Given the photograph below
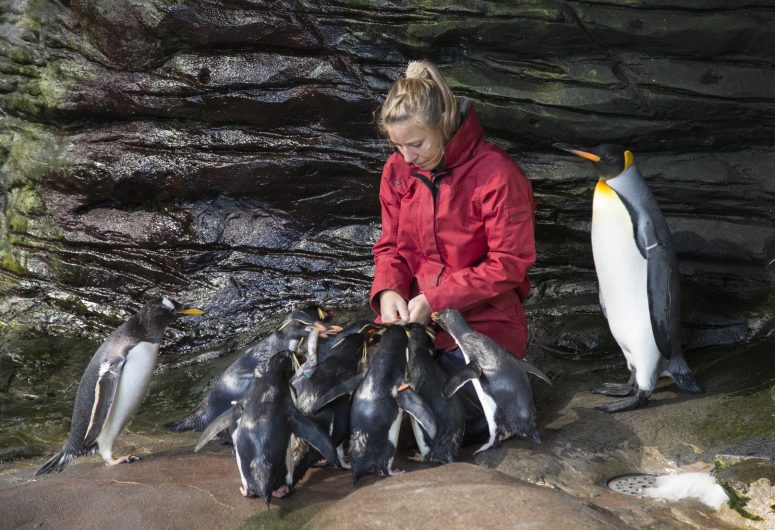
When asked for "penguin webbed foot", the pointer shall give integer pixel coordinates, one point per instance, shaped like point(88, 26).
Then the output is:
point(128, 459)
point(615, 389)
point(419, 457)
point(283, 491)
point(636, 401)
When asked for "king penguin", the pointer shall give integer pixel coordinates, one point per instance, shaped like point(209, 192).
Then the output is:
point(115, 382)
point(637, 272)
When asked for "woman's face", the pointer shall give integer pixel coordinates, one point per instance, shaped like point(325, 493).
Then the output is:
point(419, 146)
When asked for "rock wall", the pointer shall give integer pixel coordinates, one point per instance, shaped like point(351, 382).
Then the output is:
point(226, 153)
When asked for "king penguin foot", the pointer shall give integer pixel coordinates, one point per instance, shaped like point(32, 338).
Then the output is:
point(636, 401)
point(128, 459)
point(614, 390)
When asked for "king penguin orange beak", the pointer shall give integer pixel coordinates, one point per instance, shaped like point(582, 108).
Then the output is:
point(578, 151)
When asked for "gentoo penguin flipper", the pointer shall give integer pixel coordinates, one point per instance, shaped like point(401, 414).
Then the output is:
point(222, 422)
point(470, 371)
point(306, 428)
point(339, 390)
point(411, 402)
point(104, 393)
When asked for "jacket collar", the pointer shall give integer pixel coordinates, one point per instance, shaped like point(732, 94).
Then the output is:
point(465, 141)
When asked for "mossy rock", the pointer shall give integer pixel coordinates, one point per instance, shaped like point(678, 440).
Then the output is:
point(749, 483)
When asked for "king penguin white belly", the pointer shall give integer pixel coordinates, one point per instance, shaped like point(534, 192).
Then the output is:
point(622, 273)
point(135, 376)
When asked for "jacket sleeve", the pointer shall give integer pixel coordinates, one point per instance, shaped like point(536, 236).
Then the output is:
point(390, 270)
point(507, 209)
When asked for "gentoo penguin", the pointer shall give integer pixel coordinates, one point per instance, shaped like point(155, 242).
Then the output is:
point(235, 380)
point(428, 379)
point(115, 382)
point(267, 421)
point(337, 359)
point(637, 271)
point(499, 378)
point(378, 405)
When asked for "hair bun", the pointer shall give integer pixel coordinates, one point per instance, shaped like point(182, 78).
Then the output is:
point(416, 69)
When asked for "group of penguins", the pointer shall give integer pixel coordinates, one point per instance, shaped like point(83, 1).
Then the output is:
point(285, 414)
point(285, 407)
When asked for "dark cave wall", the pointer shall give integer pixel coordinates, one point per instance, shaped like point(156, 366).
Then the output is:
point(226, 153)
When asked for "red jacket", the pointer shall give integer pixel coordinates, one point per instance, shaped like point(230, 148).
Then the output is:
point(471, 247)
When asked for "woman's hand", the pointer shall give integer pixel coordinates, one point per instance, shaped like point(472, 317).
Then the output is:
point(419, 310)
point(392, 307)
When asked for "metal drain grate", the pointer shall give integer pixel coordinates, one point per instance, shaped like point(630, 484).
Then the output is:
point(632, 484)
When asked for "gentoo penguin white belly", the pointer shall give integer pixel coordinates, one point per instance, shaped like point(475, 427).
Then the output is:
point(622, 273)
point(135, 376)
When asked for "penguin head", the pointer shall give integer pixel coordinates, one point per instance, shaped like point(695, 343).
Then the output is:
point(610, 160)
point(450, 320)
point(157, 314)
point(280, 363)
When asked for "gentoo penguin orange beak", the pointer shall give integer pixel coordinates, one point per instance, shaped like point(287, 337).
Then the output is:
point(190, 311)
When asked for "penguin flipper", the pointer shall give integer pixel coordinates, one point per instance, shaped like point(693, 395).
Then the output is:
point(664, 300)
point(104, 394)
point(307, 429)
point(415, 405)
point(470, 371)
point(224, 421)
point(339, 390)
point(533, 369)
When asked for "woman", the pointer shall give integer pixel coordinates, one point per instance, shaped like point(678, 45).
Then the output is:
point(457, 218)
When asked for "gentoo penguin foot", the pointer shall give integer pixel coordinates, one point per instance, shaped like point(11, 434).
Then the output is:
point(320, 463)
point(344, 464)
point(282, 491)
point(392, 472)
point(128, 459)
point(638, 400)
point(615, 390)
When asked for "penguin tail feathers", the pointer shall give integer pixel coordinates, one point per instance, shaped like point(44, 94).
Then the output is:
point(56, 463)
point(687, 383)
point(682, 376)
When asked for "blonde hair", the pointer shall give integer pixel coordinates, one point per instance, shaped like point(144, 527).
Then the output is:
point(422, 96)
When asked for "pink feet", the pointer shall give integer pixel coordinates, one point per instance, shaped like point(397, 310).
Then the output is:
point(282, 491)
point(128, 459)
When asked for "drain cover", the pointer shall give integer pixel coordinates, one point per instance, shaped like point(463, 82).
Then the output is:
point(632, 484)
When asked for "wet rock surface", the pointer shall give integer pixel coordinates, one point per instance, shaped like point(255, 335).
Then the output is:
point(227, 154)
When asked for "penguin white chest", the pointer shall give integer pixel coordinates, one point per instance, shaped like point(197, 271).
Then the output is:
point(622, 273)
point(132, 384)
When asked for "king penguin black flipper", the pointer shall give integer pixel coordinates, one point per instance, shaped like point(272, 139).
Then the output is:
point(115, 382)
point(637, 271)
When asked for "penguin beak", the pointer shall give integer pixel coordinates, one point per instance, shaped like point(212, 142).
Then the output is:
point(578, 151)
point(190, 311)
